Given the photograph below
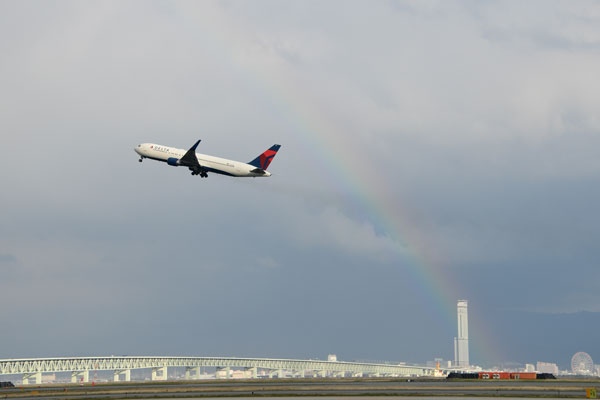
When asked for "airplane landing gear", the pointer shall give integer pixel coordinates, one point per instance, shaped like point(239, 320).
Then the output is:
point(141, 159)
point(202, 174)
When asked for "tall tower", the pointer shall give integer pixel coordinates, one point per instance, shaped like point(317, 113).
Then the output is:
point(461, 342)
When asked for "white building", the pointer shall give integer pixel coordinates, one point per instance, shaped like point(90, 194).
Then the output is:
point(461, 342)
point(545, 367)
point(529, 368)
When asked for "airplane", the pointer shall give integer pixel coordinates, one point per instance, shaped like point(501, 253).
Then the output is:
point(202, 164)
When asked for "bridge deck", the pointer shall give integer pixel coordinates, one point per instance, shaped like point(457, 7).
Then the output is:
point(75, 364)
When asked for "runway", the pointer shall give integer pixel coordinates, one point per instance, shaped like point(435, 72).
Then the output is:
point(364, 388)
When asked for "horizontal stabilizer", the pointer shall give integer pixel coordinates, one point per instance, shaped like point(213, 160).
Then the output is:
point(259, 171)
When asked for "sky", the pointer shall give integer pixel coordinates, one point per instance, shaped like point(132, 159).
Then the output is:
point(431, 151)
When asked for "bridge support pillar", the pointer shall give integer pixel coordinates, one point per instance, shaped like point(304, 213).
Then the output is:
point(276, 372)
point(253, 372)
point(36, 375)
point(118, 372)
point(85, 375)
point(192, 373)
point(159, 377)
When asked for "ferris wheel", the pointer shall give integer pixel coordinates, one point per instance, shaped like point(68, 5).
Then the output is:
point(582, 364)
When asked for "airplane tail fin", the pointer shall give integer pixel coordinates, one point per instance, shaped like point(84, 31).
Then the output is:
point(263, 160)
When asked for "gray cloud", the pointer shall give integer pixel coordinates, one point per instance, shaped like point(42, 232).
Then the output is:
point(474, 124)
point(7, 259)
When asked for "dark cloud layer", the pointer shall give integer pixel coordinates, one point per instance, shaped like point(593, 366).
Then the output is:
point(479, 120)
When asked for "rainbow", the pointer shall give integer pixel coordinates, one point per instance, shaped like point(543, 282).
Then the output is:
point(371, 195)
point(319, 134)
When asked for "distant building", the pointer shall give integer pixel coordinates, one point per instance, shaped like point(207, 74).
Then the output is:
point(545, 367)
point(529, 368)
point(331, 357)
point(461, 342)
point(234, 374)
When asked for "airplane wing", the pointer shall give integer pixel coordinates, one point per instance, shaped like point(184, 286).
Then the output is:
point(189, 159)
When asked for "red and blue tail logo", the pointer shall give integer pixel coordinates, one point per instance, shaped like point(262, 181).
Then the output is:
point(264, 160)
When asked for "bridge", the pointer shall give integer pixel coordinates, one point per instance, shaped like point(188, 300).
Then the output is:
point(32, 369)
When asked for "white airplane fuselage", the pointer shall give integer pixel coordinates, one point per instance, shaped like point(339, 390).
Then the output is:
point(218, 165)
